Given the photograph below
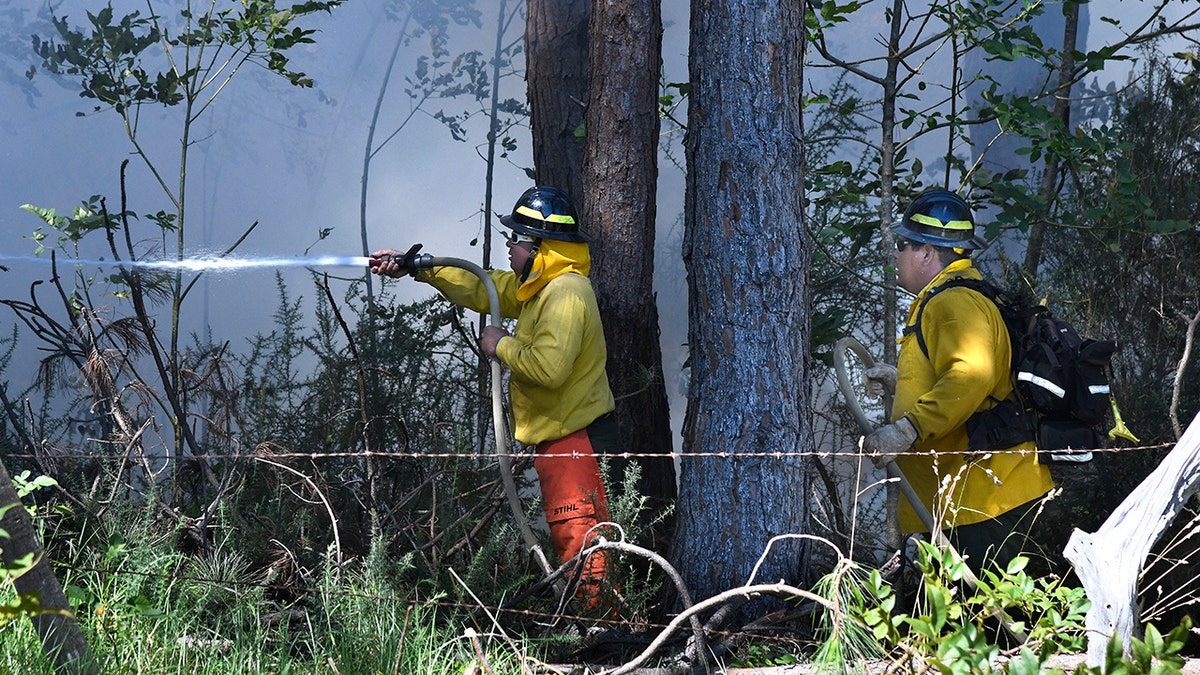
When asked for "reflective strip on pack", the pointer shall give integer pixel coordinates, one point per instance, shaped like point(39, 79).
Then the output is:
point(1099, 389)
point(1041, 382)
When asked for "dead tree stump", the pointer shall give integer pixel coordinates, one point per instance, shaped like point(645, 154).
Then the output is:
point(1110, 560)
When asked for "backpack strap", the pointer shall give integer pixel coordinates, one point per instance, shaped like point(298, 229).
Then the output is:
point(1009, 422)
point(978, 285)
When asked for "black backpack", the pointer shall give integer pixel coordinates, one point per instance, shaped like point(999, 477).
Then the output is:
point(1060, 381)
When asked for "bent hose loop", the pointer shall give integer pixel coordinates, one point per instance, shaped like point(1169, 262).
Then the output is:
point(502, 449)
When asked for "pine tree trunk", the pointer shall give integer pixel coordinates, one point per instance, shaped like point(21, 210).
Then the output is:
point(620, 174)
point(556, 54)
point(61, 637)
point(747, 255)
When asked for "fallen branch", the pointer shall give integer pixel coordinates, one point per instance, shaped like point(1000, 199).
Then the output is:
point(742, 593)
point(1177, 388)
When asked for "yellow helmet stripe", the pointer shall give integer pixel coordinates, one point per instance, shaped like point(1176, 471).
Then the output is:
point(552, 218)
point(934, 222)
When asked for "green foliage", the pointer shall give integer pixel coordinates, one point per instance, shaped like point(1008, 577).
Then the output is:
point(84, 220)
point(633, 583)
point(957, 630)
point(1125, 268)
point(1154, 654)
point(25, 486)
point(844, 640)
point(841, 222)
point(110, 60)
point(145, 609)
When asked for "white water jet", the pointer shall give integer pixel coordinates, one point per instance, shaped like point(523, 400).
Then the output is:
point(205, 263)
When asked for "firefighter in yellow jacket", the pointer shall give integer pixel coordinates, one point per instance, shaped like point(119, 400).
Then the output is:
point(561, 401)
point(955, 368)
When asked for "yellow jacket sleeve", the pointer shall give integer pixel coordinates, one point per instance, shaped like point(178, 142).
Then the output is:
point(464, 289)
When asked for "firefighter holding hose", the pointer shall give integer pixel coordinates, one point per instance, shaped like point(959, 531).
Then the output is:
point(561, 401)
point(952, 381)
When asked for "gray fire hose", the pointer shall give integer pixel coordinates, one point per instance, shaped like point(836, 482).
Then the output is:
point(843, 375)
point(425, 261)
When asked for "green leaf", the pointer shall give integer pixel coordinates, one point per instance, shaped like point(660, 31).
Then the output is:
point(1169, 226)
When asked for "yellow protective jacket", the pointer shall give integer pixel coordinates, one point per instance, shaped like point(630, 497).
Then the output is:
point(556, 353)
point(967, 370)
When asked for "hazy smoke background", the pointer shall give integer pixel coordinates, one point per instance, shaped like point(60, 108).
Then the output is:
point(291, 159)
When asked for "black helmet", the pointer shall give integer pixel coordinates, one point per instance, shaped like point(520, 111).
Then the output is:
point(940, 218)
point(546, 213)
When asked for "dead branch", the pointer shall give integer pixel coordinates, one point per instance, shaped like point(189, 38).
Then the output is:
point(1177, 389)
point(333, 521)
point(1110, 560)
point(740, 593)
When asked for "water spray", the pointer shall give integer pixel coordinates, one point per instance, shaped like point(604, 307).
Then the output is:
point(205, 263)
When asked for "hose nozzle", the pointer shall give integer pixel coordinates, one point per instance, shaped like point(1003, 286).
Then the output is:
point(409, 262)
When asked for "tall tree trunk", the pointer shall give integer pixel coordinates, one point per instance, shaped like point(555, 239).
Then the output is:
point(62, 640)
point(620, 174)
point(556, 53)
point(1062, 113)
point(747, 254)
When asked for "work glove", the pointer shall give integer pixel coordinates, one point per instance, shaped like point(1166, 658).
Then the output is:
point(887, 442)
point(492, 335)
point(393, 263)
point(880, 380)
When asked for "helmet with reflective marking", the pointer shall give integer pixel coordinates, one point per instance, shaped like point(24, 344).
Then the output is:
point(545, 213)
point(940, 218)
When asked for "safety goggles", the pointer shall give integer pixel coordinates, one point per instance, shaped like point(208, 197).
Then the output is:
point(516, 238)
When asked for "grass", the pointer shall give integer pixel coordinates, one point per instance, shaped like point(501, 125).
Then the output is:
point(340, 636)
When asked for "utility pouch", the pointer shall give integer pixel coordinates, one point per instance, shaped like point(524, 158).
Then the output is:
point(1001, 427)
point(1091, 391)
point(1066, 441)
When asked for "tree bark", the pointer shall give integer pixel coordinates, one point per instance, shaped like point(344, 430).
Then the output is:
point(556, 54)
point(620, 173)
point(747, 254)
point(61, 637)
point(1062, 112)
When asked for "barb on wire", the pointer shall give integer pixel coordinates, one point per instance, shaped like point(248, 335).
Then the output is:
point(361, 454)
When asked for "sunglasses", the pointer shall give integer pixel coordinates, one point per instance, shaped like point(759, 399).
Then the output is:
point(517, 238)
point(902, 244)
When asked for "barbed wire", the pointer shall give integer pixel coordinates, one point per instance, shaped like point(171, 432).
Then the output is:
point(52, 452)
point(724, 454)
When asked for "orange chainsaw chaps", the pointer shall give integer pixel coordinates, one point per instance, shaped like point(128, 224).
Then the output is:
point(574, 499)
